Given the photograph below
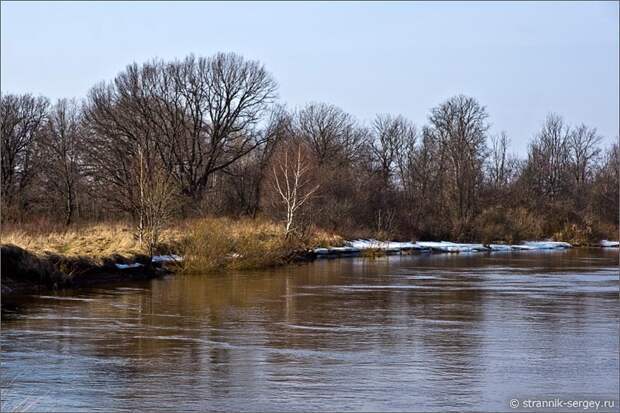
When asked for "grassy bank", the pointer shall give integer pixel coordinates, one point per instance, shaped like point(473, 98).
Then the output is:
point(25, 271)
point(222, 243)
point(50, 256)
point(97, 242)
point(54, 256)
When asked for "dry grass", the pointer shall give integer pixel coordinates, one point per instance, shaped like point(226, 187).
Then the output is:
point(96, 241)
point(207, 244)
point(321, 238)
point(511, 225)
point(373, 253)
point(588, 233)
point(222, 243)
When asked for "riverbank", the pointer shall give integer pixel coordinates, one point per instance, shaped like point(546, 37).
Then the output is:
point(35, 257)
point(38, 256)
point(24, 271)
point(376, 248)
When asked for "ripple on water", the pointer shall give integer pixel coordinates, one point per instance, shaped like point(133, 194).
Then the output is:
point(437, 333)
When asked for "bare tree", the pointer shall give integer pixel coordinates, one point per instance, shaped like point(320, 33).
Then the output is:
point(245, 177)
point(114, 141)
point(547, 169)
point(460, 126)
point(226, 96)
point(157, 195)
point(61, 143)
point(199, 115)
point(291, 180)
point(422, 174)
point(390, 140)
point(498, 160)
point(338, 145)
point(331, 134)
point(606, 194)
point(391, 136)
point(583, 145)
point(21, 119)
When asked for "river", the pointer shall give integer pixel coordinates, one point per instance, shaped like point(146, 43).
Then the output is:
point(427, 332)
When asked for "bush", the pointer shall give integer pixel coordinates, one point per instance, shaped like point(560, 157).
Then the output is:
point(590, 232)
point(507, 224)
point(223, 243)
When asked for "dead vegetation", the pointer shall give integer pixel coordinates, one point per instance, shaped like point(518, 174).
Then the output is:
point(223, 243)
point(53, 256)
point(96, 242)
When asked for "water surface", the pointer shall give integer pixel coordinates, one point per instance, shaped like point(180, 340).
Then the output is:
point(414, 333)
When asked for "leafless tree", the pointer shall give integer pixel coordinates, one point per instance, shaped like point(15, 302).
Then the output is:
point(606, 194)
point(199, 115)
point(338, 145)
point(21, 119)
point(226, 97)
point(460, 126)
point(498, 160)
point(245, 177)
point(547, 170)
point(584, 148)
point(61, 144)
point(331, 134)
point(391, 137)
point(157, 196)
point(114, 142)
point(291, 180)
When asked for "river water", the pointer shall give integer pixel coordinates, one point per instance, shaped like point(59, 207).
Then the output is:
point(415, 333)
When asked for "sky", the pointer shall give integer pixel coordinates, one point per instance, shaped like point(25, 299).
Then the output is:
point(520, 60)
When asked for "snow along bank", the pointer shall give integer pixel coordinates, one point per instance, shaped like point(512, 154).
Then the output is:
point(156, 259)
point(355, 247)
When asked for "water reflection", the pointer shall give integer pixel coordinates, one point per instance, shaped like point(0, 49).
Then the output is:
point(466, 332)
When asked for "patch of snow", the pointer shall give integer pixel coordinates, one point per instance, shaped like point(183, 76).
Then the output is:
point(610, 244)
point(438, 246)
point(445, 246)
point(355, 246)
point(500, 247)
point(546, 245)
point(166, 258)
point(335, 251)
point(126, 266)
point(522, 247)
point(364, 244)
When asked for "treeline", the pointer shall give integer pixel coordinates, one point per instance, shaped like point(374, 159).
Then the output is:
point(207, 136)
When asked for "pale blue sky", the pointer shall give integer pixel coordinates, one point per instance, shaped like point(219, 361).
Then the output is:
point(521, 60)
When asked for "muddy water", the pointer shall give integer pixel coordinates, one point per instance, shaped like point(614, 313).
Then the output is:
point(432, 332)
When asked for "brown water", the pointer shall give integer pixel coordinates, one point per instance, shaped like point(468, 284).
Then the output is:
point(433, 332)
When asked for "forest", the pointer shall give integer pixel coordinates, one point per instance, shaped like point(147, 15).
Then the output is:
point(167, 141)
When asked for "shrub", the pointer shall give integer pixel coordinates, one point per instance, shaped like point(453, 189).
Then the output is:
point(507, 224)
point(223, 243)
point(589, 232)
